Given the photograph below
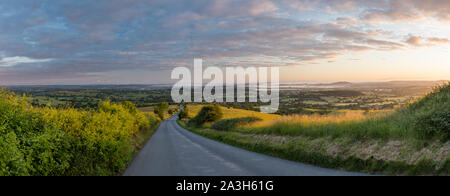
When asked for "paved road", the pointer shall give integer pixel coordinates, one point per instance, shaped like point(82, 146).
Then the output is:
point(174, 151)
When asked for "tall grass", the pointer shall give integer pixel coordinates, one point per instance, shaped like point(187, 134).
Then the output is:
point(334, 126)
point(421, 119)
point(313, 152)
point(230, 124)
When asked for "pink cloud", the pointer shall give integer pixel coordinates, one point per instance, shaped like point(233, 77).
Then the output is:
point(409, 10)
point(420, 41)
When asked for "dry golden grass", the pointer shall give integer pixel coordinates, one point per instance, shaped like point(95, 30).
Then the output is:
point(150, 109)
point(235, 113)
point(338, 116)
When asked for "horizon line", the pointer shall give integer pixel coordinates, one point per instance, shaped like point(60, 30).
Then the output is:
point(143, 84)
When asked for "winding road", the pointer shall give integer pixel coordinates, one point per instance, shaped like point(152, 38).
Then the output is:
point(174, 151)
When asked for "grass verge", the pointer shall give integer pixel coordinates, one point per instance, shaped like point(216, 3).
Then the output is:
point(140, 139)
point(317, 152)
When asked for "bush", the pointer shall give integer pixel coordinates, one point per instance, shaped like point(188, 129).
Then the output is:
point(29, 146)
point(49, 141)
point(209, 113)
point(12, 160)
point(229, 124)
point(184, 113)
point(160, 109)
point(152, 119)
point(434, 124)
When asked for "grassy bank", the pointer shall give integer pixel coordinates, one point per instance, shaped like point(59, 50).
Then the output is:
point(413, 140)
point(424, 120)
point(46, 141)
point(336, 153)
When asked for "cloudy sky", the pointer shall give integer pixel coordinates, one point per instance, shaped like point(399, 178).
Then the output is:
point(126, 41)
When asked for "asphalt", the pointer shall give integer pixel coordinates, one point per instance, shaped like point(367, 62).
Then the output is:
point(174, 151)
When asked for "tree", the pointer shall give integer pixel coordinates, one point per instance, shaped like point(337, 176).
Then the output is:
point(160, 109)
point(184, 113)
point(209, 113)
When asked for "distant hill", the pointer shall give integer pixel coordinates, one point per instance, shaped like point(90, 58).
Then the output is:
point(342, 83)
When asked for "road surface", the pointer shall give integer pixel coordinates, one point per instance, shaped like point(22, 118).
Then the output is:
point(174, 151)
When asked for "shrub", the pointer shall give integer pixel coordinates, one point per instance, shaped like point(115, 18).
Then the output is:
point(160, 109)
point(184, 113)
point(29, 146)
point(49, 141)
point(209, 113)
point(12, 160)
point(152, 119)
point(434, 124)
point(229, 124)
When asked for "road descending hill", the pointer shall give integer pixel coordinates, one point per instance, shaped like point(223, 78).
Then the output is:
point(174, 151)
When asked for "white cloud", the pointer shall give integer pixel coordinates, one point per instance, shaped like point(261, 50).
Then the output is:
point(13, 61)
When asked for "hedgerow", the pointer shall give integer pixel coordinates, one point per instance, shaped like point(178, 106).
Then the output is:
point(48, 141)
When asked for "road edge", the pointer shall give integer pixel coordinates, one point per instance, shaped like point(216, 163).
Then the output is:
point(140, 145)
point(351, 164)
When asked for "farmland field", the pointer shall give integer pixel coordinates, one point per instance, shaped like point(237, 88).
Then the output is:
point(294, 99)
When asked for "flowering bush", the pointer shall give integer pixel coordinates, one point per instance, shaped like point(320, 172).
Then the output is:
point(49, 141)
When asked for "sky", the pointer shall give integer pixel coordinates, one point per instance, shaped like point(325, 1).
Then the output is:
point(141, 42)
